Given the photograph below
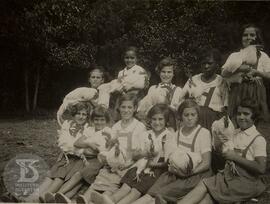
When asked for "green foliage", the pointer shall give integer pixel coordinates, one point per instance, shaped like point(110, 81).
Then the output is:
point(68, 35)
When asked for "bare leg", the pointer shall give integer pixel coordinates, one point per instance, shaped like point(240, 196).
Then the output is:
point(145, 199)
point(195, 196)
point(70, 184)
point(74, 190)
point(56, 184)
point(120, 193)
point(133, 195)
point(40, 190)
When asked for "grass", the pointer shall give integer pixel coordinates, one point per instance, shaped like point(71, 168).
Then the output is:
point(39, 137)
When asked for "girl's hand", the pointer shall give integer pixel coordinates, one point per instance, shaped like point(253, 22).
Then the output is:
point(177, 171)
point(253, 73)
point(229, 155)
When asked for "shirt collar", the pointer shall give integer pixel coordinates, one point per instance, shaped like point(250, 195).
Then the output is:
point(161, 135)
point(166, 84)
point(250, 131)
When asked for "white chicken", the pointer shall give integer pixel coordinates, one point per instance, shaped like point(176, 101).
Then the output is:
point(81, 94)
point(223, 130)
point(247, 56)
point(185, 161)
point(157, 96)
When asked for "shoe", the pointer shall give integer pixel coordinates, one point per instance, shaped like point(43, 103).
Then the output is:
point(41, 199)
point(49, 198)
point(81, 200)
point(61, 198)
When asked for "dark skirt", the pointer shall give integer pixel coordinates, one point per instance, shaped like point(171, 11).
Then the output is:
point(65, 170)
point(252, 90)
point(146, 180)
point(208, 116)
point(225, 187)
point(170, 188)
point(90, 171)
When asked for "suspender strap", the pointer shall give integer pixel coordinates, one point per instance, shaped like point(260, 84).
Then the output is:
point(194, 139)
point(244, 153)
point(171, 94)
point(209, 96)
point(192, 145)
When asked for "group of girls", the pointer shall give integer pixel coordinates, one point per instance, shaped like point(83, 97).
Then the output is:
point(135, 159)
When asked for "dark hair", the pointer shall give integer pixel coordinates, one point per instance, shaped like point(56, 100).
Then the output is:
point(101, 111)
point(78, 107)
point(128, 97)
point(164, 109)
point(133, 49)
point(168, 61)
point(211, 52)
point(188, 103)
point(259, 38)
point(99, 68)
point(252, 105)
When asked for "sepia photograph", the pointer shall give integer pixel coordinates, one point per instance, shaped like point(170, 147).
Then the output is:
point(135, 101)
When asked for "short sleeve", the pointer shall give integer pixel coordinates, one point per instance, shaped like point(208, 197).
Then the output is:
point(264, 63)
point(233, 62)
point(204, 141)
point(259, 147)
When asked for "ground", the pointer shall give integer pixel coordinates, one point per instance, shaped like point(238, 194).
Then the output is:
point(39, 137)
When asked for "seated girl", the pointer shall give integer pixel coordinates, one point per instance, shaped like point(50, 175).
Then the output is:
point(191, 137)
point(155, 147)
point(124, 136)
point(249, 156)
point(92, 142)
point(71, 159)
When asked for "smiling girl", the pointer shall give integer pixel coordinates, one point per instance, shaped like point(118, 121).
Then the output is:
point(246, 81)
point(71, 159)
point(165, 91)
point(155, 147)
point(124, 136)
point(249, 156)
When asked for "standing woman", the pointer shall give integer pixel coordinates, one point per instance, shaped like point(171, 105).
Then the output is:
point(249, 155)
point(246, 81)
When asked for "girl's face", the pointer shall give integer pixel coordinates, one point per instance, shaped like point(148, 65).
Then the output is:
point(249, 36)
point(244, 118)
point(130, 59)
point(81, 116)
point(99, 123)
point(190, 117)
point(158, 123)
point(96, 79)
point(166, 74)
point(127, 110)
point(209, 66)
